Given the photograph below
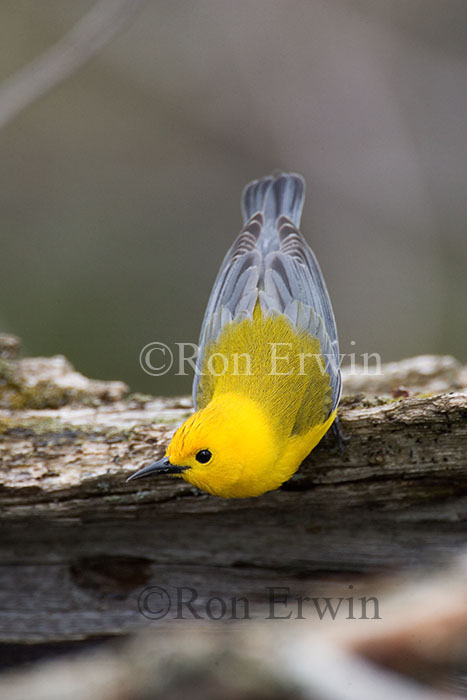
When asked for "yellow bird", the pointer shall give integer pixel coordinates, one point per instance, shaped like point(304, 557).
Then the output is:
point(267, 382)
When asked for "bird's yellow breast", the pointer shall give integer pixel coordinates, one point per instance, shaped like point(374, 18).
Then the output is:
point(277, 366)
point(248, 457)
point(264, 402)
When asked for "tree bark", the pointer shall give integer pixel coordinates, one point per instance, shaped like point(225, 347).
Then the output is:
point(79, 545)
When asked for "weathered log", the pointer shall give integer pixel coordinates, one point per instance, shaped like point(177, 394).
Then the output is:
point(79, 545)
point(332, 660)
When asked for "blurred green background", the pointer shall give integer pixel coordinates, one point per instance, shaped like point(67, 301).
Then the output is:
point(120, 188)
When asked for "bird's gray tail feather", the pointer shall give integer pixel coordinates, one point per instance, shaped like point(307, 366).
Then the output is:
point(282, 195)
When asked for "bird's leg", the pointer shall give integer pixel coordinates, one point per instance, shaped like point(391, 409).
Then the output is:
point(340, 437)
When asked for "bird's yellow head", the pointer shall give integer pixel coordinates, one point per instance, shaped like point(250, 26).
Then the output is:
point(227, 449)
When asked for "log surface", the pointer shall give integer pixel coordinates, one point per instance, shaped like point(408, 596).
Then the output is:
point(79, 545)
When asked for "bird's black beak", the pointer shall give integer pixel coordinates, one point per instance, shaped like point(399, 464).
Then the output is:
point(163, 466)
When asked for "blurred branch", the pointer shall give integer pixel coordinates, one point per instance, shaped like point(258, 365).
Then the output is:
point(284, 661)
point(77, 47)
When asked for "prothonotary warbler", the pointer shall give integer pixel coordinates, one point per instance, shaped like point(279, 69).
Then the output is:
point(268, 381)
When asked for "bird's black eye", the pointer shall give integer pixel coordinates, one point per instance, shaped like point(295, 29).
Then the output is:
point(203, 456)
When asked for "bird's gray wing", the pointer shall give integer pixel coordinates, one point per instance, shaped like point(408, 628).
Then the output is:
point(294, 286)
point(235, 291)
point(271, 261)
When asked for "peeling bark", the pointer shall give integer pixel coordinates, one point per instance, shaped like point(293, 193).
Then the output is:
point(79, 544)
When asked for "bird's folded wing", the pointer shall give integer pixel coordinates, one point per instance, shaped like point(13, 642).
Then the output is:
point(235, 291)
point(294, 286)
point(286, 281)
